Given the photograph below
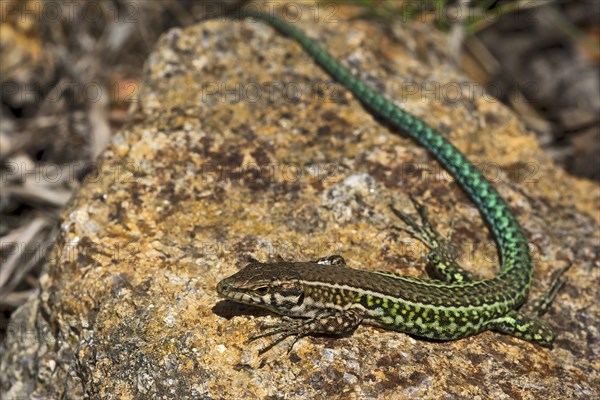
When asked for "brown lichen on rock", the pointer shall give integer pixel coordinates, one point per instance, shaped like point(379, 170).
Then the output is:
point(241, 146)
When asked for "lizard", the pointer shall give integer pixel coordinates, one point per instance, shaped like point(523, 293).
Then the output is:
point(325, 296)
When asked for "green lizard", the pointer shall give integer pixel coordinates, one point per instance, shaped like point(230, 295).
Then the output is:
point(327, 297)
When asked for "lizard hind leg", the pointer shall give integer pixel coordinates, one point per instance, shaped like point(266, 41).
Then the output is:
point(524, 327)
point(540, 305)
point(441, 260)
point(526, 323)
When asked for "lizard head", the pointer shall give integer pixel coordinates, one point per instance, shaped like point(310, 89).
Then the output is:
point(274, 286)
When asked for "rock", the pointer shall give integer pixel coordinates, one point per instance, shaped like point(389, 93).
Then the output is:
point(241, 146)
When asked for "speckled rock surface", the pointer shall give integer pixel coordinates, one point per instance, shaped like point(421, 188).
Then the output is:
point(240, 146)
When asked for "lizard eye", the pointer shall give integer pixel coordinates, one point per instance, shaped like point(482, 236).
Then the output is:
point(263, 290)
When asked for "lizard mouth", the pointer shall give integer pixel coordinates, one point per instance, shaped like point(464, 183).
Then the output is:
point(226, 289)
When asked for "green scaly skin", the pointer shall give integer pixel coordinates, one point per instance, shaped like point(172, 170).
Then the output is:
point(335, 299)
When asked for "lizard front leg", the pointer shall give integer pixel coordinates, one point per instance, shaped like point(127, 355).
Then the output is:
point(329, 322)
